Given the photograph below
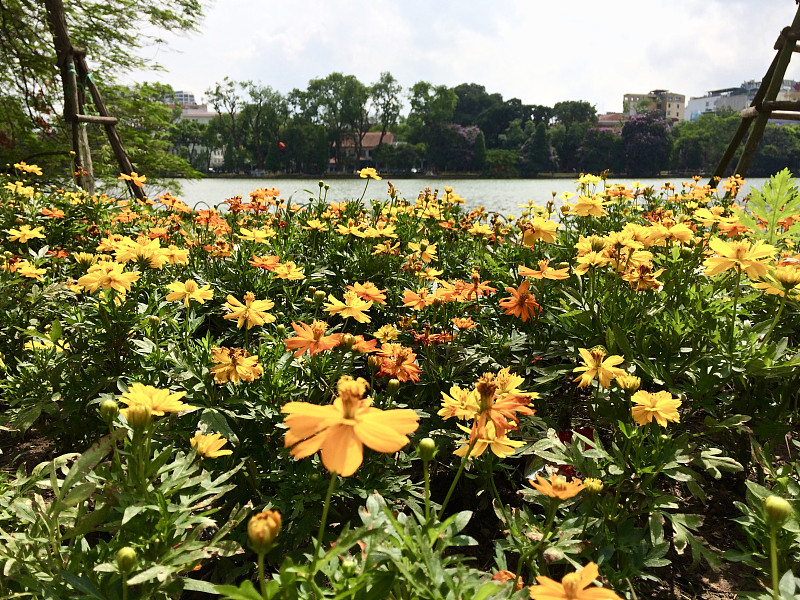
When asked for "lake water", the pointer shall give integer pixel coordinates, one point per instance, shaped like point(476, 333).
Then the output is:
point(497, 195)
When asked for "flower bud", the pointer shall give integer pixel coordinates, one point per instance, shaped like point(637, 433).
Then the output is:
point(777, 510)
point(629, 382)
point(392, 386)
point(109, 411)
point(280, 330)
point(138, 415)
point(348, 567)
point(154, 320)
point(319, 296)
point(592, 485)
point(426, 449)
point(374, 362)
point(321, 183)
point(262, 529)
point(126, 559)
point(346, 341)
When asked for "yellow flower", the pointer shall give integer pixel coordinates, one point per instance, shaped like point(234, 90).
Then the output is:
point(369, 172)
point(353, 306)
point(255, 235)
point(342, 429)
point(387, 333)
point(461, 403)
point(589, 206)
point(595, 364)
point(539, 228)
point(134, 178)
point(739, 255)
point(660, 406)
point(233, 364)
point(24, 233)
point(573, 586)
point(189, 290)
point(289, 270)
point(252, 312)
point(36, 170)
point(108, 275)
point(501, 446)
point(557, 486)
point(209, 445)
point(424, 250)
point(26, 269)
point(158, 401)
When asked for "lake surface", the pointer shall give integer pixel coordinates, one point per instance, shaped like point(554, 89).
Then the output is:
point(497, 195)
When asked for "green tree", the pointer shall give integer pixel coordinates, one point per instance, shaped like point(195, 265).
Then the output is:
point(601, 150)
point(647, 144)
point(112, 32)
point(536, 154)
point(147, 122)
point(699, 144)
point(574, 111)
point(385, 99)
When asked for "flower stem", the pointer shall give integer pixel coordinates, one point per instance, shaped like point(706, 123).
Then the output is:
point(775, 320)
point(457, 477)
point(733, 316)
point(261, 581)
point(427, 477)
point(322, 524)
point(773, 555)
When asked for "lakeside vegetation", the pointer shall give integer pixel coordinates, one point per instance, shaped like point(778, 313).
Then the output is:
point(546, 400)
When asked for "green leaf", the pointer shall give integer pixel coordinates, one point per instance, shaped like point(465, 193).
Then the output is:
point(89, 460)
point(245, 591)
point(79, 493)
point(198, 585)
point(82, 584)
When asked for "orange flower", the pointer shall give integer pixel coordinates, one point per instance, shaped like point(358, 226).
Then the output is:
point(268, 263)
point(521, 303)
point(418, 300)
point(342, 429)
point(660, 406)
point(544, 272)
point(369, 291)
point(311, 338)
point(134, 178)
point(398, 361)
point(557, 487)
point(55, 213)
point(573, 586)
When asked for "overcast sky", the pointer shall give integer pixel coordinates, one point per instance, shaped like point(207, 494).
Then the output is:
point(538, 51)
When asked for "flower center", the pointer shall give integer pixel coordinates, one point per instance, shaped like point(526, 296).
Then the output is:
point(572, 585)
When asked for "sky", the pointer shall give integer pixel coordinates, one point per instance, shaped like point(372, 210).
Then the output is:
point(541, 52)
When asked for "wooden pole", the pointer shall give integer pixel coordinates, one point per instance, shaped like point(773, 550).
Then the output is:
point(109, 123)
point(84, 175)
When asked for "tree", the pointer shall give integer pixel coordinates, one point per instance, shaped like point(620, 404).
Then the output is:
point(385, 99)
point(601, 150)
point(647, 144)
point(262, 117)
point(112, 32)
point(431, 106)
point(339, 102)
point(472, 100)
point(148, 125)
point(574, 111)
point(699, 144)
point(536, 154)
point(227, 100)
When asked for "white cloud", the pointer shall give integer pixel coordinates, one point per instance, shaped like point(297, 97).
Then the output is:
point(541, 52)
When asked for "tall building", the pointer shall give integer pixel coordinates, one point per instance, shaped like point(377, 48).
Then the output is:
point(184, 99)
point(736, 98)
point(669, 104)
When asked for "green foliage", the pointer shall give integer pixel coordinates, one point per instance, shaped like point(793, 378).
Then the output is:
point(778, 200)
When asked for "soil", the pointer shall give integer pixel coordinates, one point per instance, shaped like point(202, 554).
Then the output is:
point(29, 450)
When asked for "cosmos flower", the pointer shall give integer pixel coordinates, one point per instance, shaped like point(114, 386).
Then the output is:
point(189, 290)
point(557, 486)
point(573, 586)
point(739, 255)
point(521, 303)
point(209, 446)
point(25, 233)
point(311, 338)
point(157, 400)
point(352, 306)
point(252, 312)
point(342, 429)
point(660, 406)
point(234, 364)
point(595, 364)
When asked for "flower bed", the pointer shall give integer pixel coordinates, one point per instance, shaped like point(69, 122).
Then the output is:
point(376, 386)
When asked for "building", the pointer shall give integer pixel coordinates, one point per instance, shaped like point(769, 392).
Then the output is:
point(198, 113)
point(736, 98)
point(184, 99)
point(369, 142)
point(669, 104)
point(611, 121)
